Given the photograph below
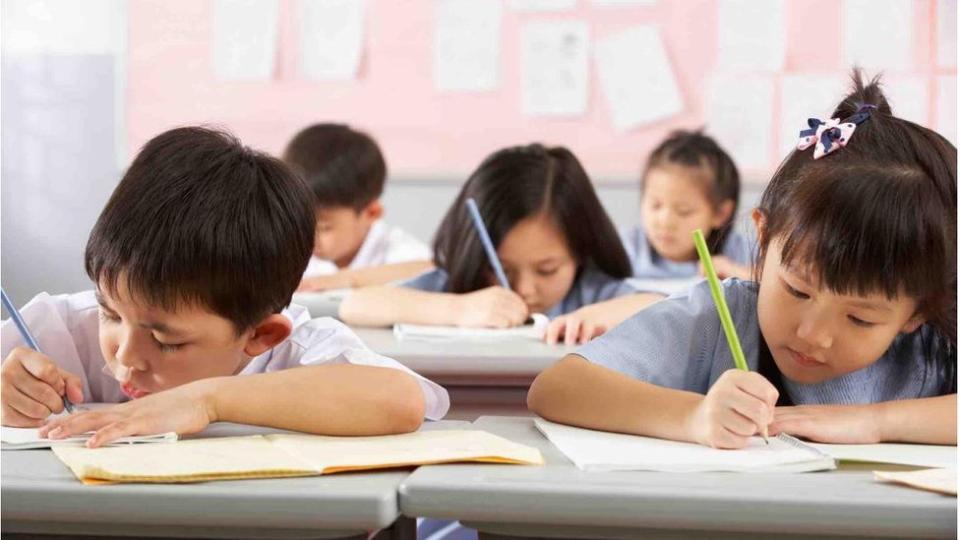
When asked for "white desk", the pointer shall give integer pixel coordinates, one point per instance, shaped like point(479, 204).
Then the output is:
point(41, 496)
point(561, 501)
point(481, 377)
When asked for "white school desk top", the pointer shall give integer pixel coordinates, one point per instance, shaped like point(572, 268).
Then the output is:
point(514, 362)
point(40, 495)
point(559, 500)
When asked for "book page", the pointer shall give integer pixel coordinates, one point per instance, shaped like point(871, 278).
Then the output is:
point(533, 331)
point(937, 480)
point(920, 455)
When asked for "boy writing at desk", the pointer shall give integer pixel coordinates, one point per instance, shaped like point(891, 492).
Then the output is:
point(195, 258)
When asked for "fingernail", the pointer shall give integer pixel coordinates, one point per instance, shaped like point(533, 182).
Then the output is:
point(55, 433)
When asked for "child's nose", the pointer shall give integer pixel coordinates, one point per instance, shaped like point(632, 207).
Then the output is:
point(817, 331)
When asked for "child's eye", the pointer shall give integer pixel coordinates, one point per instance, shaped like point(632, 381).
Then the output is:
point(108, 317)
point(547, 272)
point(684, 213)
point(168, 347)
point(860, 322)
point(795, 292)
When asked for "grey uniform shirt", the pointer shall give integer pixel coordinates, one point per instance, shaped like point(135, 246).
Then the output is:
point(648, 264)
point(679, 343)
point(590, 287)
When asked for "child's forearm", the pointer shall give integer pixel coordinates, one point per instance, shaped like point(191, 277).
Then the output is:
point(335, 399)
point(613, 312)
point(575, 391)
point(365, 277)
point(385, 305)
point(928, 420)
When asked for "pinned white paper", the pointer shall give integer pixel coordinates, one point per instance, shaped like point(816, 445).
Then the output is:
point(331, 38)
point(245, 39)
point(752, 35)
point(739, 108)
point(877, 34)
point(64, 27)
point(555, 72)
point(909, 98)
point(466, 46)
point(947, 107)
point(637, 78)
point(539, 6)
point(947, 33)
point(803, 97)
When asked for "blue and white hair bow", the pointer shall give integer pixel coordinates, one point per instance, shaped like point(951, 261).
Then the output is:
point(832, 134)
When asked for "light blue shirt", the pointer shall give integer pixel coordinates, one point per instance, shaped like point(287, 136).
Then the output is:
point(590, 287)
point(648, 264)
point(678, 343)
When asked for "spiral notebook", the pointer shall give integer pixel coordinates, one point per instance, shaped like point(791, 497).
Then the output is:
point(603, 451)
point(533, 331)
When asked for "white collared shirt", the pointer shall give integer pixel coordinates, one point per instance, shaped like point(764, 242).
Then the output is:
point(384, 244)
point(66, 328)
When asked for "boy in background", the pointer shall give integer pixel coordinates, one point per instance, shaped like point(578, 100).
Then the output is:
point(353, 247)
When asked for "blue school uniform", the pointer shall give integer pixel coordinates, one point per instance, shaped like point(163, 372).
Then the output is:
point(678, 343)
point(648, 264)
point(590, 287)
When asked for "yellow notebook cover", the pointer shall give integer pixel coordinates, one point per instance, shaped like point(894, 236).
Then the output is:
point(284, 455)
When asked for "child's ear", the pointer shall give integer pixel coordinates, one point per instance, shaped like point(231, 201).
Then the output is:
point(373, 211)
point(913, 323)
point(722, 214)
point(267, 334)
point(760, 222)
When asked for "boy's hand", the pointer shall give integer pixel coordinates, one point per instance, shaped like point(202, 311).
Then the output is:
point(32, 388)
point(184, 409)
point(737, 407)
point(842, 424)
point(493, 307)
point(579, 326)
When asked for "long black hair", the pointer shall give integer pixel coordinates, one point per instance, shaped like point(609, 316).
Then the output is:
point(516, 183)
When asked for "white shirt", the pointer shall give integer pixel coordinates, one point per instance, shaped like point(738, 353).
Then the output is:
point(66, 328)
point(383, 244)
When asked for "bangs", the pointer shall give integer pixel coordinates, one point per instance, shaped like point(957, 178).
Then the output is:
point(859, 233)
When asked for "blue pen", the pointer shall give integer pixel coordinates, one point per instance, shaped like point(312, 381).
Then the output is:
point(487, 243)
point(27, 336)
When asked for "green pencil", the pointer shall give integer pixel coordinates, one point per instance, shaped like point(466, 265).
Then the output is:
point(726, 321)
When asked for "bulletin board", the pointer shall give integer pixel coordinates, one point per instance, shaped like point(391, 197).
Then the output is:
point(429, 134)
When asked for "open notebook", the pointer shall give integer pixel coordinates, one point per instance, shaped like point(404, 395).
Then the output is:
point(918, 455)
point(532, 331)
point(603, 451)
point(283, 455)
point(937, 480)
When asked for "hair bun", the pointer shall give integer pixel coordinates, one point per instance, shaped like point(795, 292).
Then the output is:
point(863, 93)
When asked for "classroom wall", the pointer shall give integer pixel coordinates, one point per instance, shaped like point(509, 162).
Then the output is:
point(85, 84)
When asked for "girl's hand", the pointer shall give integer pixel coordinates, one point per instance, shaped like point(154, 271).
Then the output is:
point(726, 268)
point(184, 409)
point(323, 283)
point(493, 307)
point(844, 424)
point(737, 407)
point(32, 387)
point(579, 326)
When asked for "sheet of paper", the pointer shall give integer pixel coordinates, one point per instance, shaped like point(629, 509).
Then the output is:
point(334, 454)
point(752, 36)
point(663, 286)
point(245, 39)
point(937, 480)
point(602, 451)
point(539, 6)
point(555, 73)
point(877, 34)
point(920, 455)
point(946, 124)
point(637, 78)
point(331, 39)
point(423, 332)
point(739, 108)
point(803, 97)
point(27, 439)
point(267, 456)
point(466, 45)
point(947, 33)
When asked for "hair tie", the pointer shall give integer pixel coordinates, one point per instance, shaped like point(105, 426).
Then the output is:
point(834, 133)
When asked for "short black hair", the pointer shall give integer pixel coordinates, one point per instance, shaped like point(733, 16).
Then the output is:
point(513, 184)
point(694, 150)
point(876, 216)
point(200, 219)
point(342, 166)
